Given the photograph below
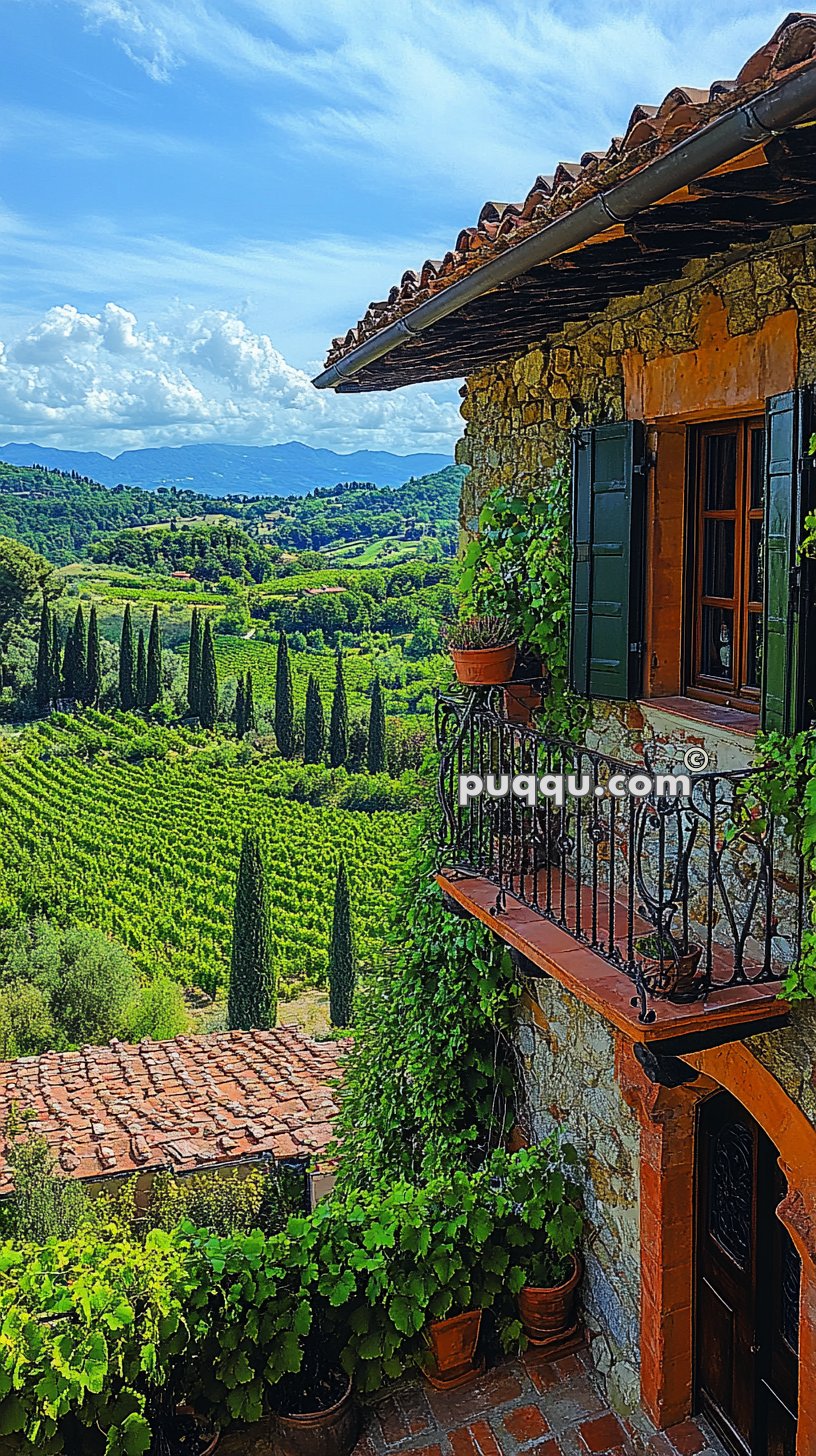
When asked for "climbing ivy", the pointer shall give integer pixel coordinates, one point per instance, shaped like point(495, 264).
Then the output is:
point(519, 568)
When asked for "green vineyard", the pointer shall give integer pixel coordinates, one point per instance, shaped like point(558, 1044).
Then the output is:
point(148, 850)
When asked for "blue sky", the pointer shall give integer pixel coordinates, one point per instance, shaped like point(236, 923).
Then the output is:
point(195, 196)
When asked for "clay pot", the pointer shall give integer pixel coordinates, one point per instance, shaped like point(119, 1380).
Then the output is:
point(671, 977)
point(453, 1345)
point(516, 1139)
point(331, 1432)
point(521, 700)
point(548, 1315)
point(484, 666)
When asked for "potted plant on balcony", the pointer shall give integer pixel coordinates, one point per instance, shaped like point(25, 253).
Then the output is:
point(667, 970)
point(483, 650)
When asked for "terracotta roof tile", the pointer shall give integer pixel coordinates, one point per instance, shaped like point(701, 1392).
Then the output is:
point(650, 131)
point(192, 1102)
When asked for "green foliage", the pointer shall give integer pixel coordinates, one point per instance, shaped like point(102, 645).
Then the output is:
point(783, 783)
point(86, 980)
point(206, 552)
point(208, 682)
point(376, 747)
point(194, 664)
point(157, 1011)
point(284, 701)
point(253, 998)
point(314, 742)
point(93, 666)
point(153, 667)
point(519, 569)
point(230, 1201)
point(26, 580)
point(428, 1084)
point(44, 1204)
point(338, 723)
point(342, 960)
point(43, 690)
point(141, 670)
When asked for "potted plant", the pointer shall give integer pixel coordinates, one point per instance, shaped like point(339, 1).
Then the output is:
point(547, 1302)
point(524, 692)
point(452, 1346)
point(483, 650)
point(666, 970)
point(314, 1411)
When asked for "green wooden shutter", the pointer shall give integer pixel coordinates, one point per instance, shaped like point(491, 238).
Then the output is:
point(607, 561)
point(789, 642)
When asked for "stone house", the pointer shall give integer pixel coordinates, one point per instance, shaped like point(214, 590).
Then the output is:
point(643, 324)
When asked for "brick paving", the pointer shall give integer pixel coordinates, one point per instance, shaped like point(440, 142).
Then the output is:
point(524, 1407)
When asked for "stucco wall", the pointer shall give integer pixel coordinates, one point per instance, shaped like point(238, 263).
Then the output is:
point(518, 417)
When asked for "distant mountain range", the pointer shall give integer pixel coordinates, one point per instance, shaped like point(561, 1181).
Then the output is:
point(291, 469)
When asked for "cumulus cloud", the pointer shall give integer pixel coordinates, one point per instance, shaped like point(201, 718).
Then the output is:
point(104, 380)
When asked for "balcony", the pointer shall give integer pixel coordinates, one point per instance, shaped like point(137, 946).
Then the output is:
point(674, 914)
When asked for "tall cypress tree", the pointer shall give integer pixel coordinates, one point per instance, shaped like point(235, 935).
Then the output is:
point(342, 966)
point(315, 725)
point(127, 663)
point(153, 681)
point(56, 660)
point(338, 726)
point(240, 717)
point(284, 701)
point(208, 685)
point(376, 730)
point(93, 665)
point(253, 996)
point(249, 703)
point(80, 650)
point(194, 664)
point(68, 669)
point(42, 681)
point(141, 670)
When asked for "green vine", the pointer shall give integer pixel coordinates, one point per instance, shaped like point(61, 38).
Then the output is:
point(782, 783)
point(519, 568)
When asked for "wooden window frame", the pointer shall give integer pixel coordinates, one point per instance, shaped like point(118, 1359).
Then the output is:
point(706, 688)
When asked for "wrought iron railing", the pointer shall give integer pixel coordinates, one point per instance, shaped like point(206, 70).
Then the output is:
point(686, 893)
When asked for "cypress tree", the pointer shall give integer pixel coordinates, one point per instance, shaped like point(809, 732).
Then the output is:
point(284, 702)
point(315, 726)
point(249, 703)
point(338, 726)
point(208, 683)
point(141, 671)
point(127, 663)
point(56, 660)
point(68, 672)
point(93, 665)
point(376, 730)
point(240, 716)
point(80, 649)
point(153, 681)
point(342, 968)
point(253, 996)
point(42, 682)
point(194, 664)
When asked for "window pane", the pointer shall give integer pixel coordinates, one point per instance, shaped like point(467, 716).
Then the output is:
point(720, 472)
point(753, 668)
point(755, 573)
point(756, 465)
point(717, 642)
point(718, 559)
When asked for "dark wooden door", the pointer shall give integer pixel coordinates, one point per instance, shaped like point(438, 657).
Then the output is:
point(747, 1286)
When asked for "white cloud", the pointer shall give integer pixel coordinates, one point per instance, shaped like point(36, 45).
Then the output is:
point(103, 380)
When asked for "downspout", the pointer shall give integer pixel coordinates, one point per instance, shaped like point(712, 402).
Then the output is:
point(721, 141)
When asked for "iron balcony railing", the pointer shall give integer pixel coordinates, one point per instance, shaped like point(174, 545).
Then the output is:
point(687, 893)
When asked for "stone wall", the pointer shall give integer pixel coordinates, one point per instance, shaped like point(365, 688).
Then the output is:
point(570, 1081)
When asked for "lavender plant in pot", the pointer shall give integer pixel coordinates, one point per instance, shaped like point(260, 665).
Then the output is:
point(483, 650)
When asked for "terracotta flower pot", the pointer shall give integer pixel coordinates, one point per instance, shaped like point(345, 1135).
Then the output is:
point(484, 666)
point(548, 1315)
point(521, 700)
point(453, 1345)
point(671, 977)
point(330, 1432)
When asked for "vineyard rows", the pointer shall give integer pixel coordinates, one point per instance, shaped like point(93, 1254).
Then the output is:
point(149, 850)
point(407, 685)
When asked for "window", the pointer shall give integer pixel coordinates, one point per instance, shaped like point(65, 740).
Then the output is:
point(726, 607)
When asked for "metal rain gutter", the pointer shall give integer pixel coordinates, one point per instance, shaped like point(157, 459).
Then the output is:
point(721, 141)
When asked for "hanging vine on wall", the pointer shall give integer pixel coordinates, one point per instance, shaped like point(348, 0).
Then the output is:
point(519, 568)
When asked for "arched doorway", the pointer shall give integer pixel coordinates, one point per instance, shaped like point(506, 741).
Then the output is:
point(748, 1280)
